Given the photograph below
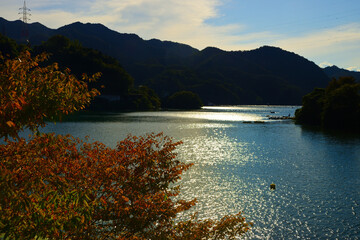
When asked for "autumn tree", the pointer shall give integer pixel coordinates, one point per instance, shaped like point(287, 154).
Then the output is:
point(29, 94)
point(61, 187)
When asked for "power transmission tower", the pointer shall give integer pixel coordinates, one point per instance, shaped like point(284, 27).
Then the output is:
point(25, 18)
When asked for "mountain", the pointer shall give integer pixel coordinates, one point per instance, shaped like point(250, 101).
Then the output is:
point(15, 30)
point(264, 75)
point(267, 75)
point(127, 48)
point(336, 72)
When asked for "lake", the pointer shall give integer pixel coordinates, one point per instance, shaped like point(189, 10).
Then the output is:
point(238, 152)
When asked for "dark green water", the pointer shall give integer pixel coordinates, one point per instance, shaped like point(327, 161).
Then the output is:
point(238, 153)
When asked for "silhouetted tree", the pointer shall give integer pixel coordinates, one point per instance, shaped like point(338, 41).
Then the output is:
point(146, 99)
point(336, 107)
point(8, 47)
point(184, 100)
point(342, 104)
point(312, 105)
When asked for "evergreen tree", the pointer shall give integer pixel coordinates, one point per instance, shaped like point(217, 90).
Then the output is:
point(335, 107)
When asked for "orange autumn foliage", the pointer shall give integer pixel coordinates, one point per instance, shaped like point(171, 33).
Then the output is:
point(30, 93)
point(60, 187)
point(88, 188)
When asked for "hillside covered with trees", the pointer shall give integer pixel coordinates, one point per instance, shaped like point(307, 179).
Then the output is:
point(267, 75)
point(115, 84)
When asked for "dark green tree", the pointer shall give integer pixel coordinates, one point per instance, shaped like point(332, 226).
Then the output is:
point(144, 98)
point(342, 104)
point(336, 107)
point(312, 105)
point(8, 47)
point(184, 100)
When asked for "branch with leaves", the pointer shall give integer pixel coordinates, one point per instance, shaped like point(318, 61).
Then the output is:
point(29, 93)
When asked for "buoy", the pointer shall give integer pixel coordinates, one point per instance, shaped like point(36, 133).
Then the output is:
point(272, 186)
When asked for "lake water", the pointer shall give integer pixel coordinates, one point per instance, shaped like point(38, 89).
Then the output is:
point(238, 152)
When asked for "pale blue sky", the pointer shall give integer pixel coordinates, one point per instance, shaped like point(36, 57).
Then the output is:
point(324, 31)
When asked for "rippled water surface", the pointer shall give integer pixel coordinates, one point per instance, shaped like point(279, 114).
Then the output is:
point(238, 152)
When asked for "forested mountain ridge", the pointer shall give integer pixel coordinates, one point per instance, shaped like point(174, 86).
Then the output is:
point(127, 48)
point(267, 75)
point(336, 72)
point(264, 75)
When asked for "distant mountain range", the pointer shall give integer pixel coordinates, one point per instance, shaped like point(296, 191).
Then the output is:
point(267, 75)
point(335, 72)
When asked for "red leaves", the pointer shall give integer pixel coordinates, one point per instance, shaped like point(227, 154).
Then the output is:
point(84, 183)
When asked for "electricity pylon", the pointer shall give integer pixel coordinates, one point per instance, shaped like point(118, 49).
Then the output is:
point(25, 18)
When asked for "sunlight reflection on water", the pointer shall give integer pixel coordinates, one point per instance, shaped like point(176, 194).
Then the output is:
point(204, 115)
point(317, 175)
point(231, 176)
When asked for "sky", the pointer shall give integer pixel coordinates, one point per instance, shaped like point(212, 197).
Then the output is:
point(326, 32)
